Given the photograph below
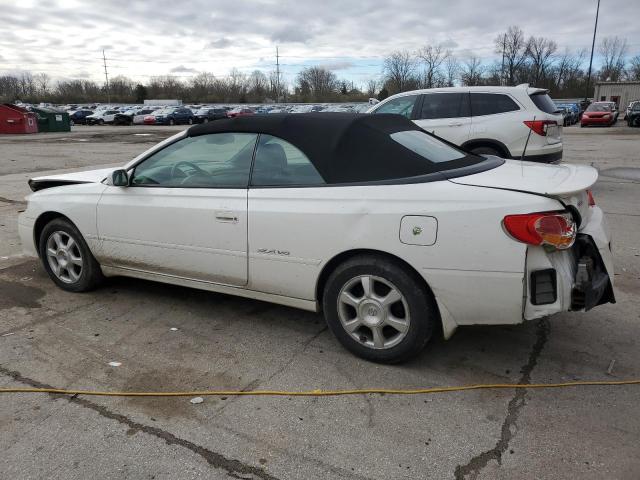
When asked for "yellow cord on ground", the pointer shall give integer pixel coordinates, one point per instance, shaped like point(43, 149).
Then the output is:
point(321, 393)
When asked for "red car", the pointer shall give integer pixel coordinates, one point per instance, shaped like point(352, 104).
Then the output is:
point(149, 120)
point(598, 113)
point(240, 112)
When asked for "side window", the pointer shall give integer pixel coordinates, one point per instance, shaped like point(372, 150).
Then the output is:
point(278, 163)
point(445, 105)
point(209, 161)
point(401, 105)
point(491, 103)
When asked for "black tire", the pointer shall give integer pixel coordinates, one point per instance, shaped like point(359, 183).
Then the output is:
point(101, 122)
point(190, 121)
point(422, 310)
point(172, 122)
point(487, 151)
point(90, 275)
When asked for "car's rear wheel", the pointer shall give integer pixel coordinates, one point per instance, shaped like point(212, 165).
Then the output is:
point(377, 310)
point(67, 258)
point(101, 122)
point(190, 121)
point(172, 121)
point(487, 151)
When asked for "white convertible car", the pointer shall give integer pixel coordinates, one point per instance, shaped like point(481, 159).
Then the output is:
point(390, 231)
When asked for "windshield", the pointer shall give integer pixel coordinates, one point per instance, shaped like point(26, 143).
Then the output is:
point(595, 107)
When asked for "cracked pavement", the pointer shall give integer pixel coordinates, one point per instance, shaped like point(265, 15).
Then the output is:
point(52, 338)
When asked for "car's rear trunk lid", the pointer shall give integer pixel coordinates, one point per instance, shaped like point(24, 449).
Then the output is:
point(566, 182)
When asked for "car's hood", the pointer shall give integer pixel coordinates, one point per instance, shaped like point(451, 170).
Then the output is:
point(48, 181)
point(543, 179)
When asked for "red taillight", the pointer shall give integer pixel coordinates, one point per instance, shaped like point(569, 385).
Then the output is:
point(540, 126)
point(592, 201)
point(544, 228)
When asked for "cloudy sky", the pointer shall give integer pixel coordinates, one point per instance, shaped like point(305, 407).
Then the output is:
point(65, 38)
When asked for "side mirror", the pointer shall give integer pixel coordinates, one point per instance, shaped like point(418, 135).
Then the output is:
point(119, 178)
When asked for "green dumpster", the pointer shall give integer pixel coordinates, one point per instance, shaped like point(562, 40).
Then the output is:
point(52, 120)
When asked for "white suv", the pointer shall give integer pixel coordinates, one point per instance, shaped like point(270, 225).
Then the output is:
point(486, 120)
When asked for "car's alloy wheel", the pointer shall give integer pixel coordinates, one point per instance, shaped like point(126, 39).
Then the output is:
point(190, 121)
point(64, 257)
point(373, 311)
point(171, 122)
point(378, 309)
point(67, 258)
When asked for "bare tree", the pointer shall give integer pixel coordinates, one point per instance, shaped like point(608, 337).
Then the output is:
point(399, 68)
point(613, 51)
point(540, 50)
point(452, 68)
point(203, 87)
point(634, 68)
point(316, 83)
point(567, 67)
point(42, 84)
point(433, 57)
point(372, 87)
point(513, 48)
point(471, 71)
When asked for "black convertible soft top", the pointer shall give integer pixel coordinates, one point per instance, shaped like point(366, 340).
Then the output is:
point(349, 148)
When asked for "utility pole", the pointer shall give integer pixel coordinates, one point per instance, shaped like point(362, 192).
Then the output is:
point(277, 76)
point(593, 44)
point(106, 77)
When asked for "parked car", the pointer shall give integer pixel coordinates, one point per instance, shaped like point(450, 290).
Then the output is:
point(633, 116)
point(496, 121)
point(208, 114)
point(571, 113)
point(598, 113)
point(630, 107)
point(125, 117)
point(240, 112)
point(79, 117)
point(100, 117)
point(173, 116)
point(138, 118)
point(389, 231)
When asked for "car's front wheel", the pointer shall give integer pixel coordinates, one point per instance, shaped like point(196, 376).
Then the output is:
point(67, 258)
point(378, 310)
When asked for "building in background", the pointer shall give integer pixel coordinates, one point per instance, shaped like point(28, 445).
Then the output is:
point(620, 92)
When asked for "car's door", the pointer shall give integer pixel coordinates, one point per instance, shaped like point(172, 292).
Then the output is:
point(493, 116)
point(284, 219)
point(446, 115)
point(184, 212)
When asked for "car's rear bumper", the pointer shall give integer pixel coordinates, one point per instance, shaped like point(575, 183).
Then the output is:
point(576, 279)
point(550, 157)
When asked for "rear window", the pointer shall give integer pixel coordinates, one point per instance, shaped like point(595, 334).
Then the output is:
point(491, 104)
point(426, 146)
point(544, 102)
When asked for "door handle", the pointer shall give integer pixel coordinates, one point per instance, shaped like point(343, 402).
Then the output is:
point(455, 124)
point(227, 217)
